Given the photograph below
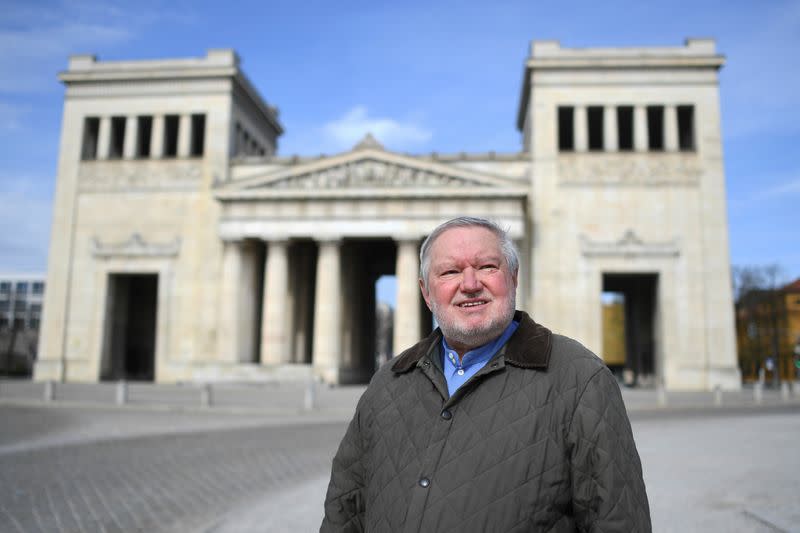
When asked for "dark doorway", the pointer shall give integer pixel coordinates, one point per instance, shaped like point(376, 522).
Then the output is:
point(366, 260)
point(130, 336)
point(636, 294)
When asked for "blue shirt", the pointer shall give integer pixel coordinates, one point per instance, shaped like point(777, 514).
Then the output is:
point(457, 373)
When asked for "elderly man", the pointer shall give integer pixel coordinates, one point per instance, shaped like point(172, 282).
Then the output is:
point(492, 423)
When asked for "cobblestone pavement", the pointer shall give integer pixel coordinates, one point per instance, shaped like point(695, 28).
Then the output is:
point(706, 470)
point(159, 482)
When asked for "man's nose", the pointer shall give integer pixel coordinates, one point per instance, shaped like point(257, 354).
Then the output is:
point(469, 281)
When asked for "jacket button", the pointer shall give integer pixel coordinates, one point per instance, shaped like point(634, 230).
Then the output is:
point(424, 482)
point(447, 415)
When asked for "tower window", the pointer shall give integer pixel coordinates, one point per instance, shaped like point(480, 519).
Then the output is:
point(655, 127)
point(91, 131)
point(117, 138)
point(171, 135)
point(686, 128)
point(625, 128)
point(566, 134)
point(198, 135)
point(143, 136)
point(594, 117)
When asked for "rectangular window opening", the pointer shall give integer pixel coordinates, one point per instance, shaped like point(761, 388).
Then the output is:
point(686, 128)
point(117, 138)
point(566, 134)
point(198, 135)
point(144, 136)
point(594, 117)
point(655, 127)
point(171, 136)
point(625, 128)
point(237, 140)
point(91, 131)
point(245, 143)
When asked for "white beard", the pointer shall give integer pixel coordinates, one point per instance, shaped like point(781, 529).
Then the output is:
point(474, 337)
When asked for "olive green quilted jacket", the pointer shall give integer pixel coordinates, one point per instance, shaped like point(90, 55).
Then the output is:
point(537, 440)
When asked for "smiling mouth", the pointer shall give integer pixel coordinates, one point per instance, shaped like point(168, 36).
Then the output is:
point(472, 304)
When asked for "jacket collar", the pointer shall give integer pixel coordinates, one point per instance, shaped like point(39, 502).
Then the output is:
point(528, 347)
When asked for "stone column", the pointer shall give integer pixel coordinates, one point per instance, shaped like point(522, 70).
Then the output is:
point(581, 129)
point(184, 135)
point(327, 312)
point(640, 129)
point(407, 314)
point(228, 338)
point(275, 346)
point(522, 276)
point(131, 133)
point(610, 129)
point(157, 138)
point(104, 138)
point(670, 128)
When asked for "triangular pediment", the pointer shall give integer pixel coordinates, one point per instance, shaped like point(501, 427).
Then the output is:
point(366, 169)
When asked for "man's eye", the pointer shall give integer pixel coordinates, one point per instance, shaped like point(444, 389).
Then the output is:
point(449, 272)
point(489, 267)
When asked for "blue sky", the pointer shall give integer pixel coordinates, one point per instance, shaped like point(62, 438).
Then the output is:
point(423, 76)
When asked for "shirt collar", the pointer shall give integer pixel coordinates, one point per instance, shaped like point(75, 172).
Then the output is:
point(530, 347)
point(481, 354)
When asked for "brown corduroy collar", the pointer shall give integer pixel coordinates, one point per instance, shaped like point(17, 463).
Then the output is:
point(528, 347)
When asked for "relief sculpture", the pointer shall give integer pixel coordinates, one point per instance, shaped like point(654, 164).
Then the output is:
point(371, 174)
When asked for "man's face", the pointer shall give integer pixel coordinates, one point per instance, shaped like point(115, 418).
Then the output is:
point(470, 292)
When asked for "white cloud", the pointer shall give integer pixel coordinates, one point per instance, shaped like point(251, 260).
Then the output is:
point(37, 40)
point(784, 187)
point(346, 131)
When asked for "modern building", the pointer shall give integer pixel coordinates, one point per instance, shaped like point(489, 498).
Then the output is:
point(21, 297)
point(185, 248)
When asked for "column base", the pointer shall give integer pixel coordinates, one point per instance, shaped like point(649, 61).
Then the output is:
point(725, 378)
point(703, 379)
point(328, 375)
point(48, 370)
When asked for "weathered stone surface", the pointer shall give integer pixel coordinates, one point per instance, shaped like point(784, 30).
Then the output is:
point(250, 249)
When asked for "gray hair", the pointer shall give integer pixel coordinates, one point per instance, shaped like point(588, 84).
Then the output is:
point(507, 246)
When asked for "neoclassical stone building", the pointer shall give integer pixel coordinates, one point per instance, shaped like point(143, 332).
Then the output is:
point(184, 249)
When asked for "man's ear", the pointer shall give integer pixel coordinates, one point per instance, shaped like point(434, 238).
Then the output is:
point(425, 294)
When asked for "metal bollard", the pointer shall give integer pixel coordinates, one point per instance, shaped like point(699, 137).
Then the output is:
point(122, 392)
point(310, 396)
point(206, 397)
point(49, 391)
point(785, 392)
point(661, 395)
point(758, 393)
point(718, 396)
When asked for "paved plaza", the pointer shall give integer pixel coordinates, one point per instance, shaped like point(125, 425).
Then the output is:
point(67, 467)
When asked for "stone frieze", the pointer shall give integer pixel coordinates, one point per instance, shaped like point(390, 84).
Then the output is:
point(629, 169)
point(372, 174)
point(126, 176)
point(135, 246)
point(629, 245)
